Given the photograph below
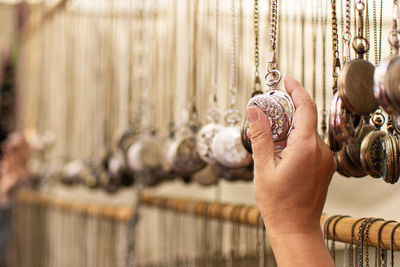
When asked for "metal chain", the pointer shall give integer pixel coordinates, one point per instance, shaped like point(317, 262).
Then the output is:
point(324, 22)
point(347, 35)
point(361, 231)
point(335, 46)
point(256, 38)
point(212, 112)
point(367, 238)
point(380, 254)
point(173, 65)
point(233, 55)
point(367, 28)
point(351, 254)
point(193, 111)
point(214, 48)
point(274, 26)
point(377, 42)
point(392, 244)
point(314, 26)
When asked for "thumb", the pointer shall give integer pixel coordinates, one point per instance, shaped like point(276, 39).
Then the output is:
point(261, 138)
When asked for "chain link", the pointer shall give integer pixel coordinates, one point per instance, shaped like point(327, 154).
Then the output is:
point(193, 110)
point(233, 84)
point(274, 27)
point(347, 35)
point(256, 38)
point(335, 46)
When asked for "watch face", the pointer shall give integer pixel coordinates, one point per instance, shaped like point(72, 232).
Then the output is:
point(204, 141)
point(186, 158)
point(228, 149)
point(279, 108)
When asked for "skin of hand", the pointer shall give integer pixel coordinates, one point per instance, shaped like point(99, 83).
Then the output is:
point(13, 168)
point(291, 185)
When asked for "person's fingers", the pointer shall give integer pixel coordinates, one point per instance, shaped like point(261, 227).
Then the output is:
point(261, 139)
point(305, 118)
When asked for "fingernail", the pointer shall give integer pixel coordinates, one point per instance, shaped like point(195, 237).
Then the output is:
point(252, 114)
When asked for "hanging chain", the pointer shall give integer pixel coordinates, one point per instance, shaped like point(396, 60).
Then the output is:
point(174, 67)
point(367, 28)
point(335, 47)
point(360, 43)
point(274, 26)
point(212, 113)
point(377, 39)
point(314, 22)
point(324, 22)
point(233, 55)
point(257, 83)
point(347, 35)
point(233, 116)
point(193, 109)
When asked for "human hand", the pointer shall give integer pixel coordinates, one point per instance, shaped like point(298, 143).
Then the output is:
point(291, 191)
point(291, 185)
point(13, 165)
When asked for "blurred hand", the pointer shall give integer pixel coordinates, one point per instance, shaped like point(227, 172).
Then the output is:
point(13, 168)
point(291, 185)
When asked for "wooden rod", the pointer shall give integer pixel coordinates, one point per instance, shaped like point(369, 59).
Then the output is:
point(242, 214)
point(113, 212)
point(250, 215)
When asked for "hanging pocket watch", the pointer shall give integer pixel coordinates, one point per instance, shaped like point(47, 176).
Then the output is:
point(206, 135)
point(390, 144)
point(346, 166)
point(371, 153)
point(387, 80)
point(145, 154)
point(343, 124)
point(71, 172)
point(227, 144)
point(356, 80)
point(277, 105)
point(182, 153)
point(353, 148)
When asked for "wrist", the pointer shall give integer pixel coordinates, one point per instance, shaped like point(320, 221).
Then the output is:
point(300, 249)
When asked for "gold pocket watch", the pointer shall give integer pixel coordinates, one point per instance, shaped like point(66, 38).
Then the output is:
point(390, 144)
point(356, 80)
point(372, 154)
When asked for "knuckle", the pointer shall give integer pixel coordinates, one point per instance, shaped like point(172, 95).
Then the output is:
point(257, 135)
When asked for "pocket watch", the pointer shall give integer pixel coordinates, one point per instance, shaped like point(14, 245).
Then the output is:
point(205, 136)
point(356, 80)
point(206, 176)
point(145, 154)
point(371, 153)
point(390, 144)
point(386, 84)
point(277, 105)
point(353, 148)
point(347, 167)
point(355, 87)
point(227, 144)
point(182, 153)
point(71, 172)
point(343, 124)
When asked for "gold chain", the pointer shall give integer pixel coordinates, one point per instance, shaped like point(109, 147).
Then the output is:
point(274, 25)
point(335, 48)
point(256, 38)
